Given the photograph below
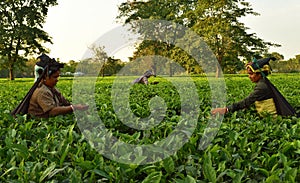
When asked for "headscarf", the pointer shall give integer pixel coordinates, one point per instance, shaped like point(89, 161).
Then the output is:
point(44, 61)
point(148, 73)
point(261, 65)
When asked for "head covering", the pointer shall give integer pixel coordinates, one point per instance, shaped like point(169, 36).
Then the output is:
point(144, 78)
point(261, 65)
point(148, 73)
point(38, 70)
point(44, 61)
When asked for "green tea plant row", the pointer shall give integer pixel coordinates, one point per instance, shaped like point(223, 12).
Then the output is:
point(247, 148)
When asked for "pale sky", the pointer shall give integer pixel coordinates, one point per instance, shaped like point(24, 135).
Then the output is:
point(74, 25)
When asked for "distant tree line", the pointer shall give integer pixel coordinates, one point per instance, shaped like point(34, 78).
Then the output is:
point(291, 65)
point(111, 67)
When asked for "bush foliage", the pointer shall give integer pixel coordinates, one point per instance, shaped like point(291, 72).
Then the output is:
point(247, 148)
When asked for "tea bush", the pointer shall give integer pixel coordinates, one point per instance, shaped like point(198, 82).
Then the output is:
point(247, 148)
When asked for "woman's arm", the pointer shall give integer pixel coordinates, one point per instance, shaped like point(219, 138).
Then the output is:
point(60, 110)
point(67, 109)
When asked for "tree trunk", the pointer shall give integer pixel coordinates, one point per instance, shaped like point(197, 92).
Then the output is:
point(218, 70)
point(153, 67)
point(218, 66)
point(170, 70)
point(11, 74)
point(103, 72)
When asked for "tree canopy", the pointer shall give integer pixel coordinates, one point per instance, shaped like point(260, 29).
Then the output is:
point(216, 21)
point(21, 30)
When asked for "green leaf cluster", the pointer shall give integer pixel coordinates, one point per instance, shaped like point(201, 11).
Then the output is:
point(247, 148)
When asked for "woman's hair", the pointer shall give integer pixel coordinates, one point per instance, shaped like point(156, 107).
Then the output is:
point(51, 71)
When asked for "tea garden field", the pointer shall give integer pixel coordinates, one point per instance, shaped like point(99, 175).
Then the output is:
point(247, 148)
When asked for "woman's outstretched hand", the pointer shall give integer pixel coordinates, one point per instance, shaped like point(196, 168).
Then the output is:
point(219, 111)
point(80, 107)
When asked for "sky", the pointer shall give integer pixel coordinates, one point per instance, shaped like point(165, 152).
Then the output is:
point(75, 25)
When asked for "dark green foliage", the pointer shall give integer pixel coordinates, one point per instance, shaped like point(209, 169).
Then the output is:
point(247, 148)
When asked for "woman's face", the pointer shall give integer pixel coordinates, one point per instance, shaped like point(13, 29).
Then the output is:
point(253, 76)
point(52, 79)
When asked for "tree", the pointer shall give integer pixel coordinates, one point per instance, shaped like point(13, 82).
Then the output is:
point(21, 31)
point(160, 10)
point(278, 56)
point(70, 67)
point(285, 66)
point(100, 56)
point(112, 66)
point(97, 61)
point(216, 21)
point(297, 60)
point(147, 48)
